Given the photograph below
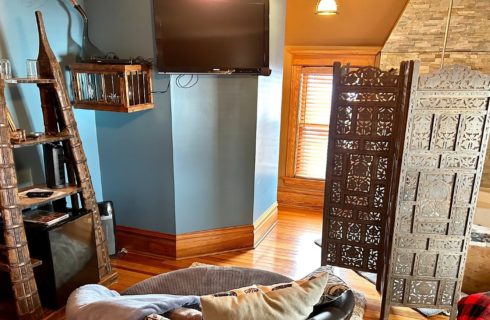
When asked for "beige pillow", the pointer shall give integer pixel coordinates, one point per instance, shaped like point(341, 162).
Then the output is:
point(286, 301)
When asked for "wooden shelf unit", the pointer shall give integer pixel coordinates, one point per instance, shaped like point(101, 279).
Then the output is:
point(29, 80)
point(44, 139)
point(61, 127)
point(67, 191)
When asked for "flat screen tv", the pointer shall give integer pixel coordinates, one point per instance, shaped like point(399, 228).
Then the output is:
point(212, 36)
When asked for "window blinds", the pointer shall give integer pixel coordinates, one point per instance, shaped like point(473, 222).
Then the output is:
point(314, 115)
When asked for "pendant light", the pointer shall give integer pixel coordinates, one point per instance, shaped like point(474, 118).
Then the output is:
point(326, 7)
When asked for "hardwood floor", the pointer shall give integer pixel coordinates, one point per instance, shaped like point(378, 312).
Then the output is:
point(288, 249)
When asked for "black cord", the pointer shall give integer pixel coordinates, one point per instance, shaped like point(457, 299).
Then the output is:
point(164, 91)
point(193, 80)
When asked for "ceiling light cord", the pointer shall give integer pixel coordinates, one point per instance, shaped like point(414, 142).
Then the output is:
point(446, 35)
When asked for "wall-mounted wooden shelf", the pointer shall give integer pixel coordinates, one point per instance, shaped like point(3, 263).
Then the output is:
point(112, 87)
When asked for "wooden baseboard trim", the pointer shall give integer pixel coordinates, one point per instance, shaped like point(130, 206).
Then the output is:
point(187, 245)
point(145, 241)
point(199, 243)
point(265, 224)
point(305, 199)
point(202, 243)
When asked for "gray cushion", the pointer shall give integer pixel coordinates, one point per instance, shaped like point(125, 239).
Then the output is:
point(205, 280)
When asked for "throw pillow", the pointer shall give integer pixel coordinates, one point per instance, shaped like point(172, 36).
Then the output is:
point(334, 288)
point(286, 301)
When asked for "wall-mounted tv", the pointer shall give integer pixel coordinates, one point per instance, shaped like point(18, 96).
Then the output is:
point(212, 36)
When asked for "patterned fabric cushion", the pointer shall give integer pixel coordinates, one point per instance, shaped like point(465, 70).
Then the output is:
point(156, 317)
point(286, 301)
point(335, 286)
point(358, 312)
point(265, 289)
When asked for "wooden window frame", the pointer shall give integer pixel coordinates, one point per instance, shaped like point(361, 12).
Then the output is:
point(314, 57)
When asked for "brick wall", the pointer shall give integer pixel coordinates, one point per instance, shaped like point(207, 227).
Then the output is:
point(419, 35)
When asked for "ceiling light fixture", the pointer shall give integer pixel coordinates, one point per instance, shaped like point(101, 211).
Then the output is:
point(326, 7)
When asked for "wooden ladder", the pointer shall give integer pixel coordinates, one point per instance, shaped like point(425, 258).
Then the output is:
point(60, 127)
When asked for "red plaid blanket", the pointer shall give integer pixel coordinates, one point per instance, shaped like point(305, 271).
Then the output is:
point(474, 307)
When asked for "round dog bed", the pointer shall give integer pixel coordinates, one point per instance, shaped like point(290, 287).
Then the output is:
point(208, 280)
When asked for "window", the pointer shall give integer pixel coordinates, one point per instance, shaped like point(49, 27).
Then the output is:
point(314, 104)
point(306, 112)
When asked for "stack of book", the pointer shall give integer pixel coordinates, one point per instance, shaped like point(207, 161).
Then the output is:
point(45, 218)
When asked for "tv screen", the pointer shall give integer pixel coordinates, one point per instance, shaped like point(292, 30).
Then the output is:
point(212, 36)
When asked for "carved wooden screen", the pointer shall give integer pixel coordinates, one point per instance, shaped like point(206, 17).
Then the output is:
point(365, 110)
point(445, 144)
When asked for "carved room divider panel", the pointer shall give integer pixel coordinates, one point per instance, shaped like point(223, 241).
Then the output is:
point(445, 144)
point(366, 107)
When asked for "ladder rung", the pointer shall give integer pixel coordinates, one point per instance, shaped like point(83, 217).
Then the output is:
point(26, 296)
point(17, 246)
point(23, 280)
point(80, 161)
point(8, 207)
point(30, 80)
point(4, 267)
point(8, 187)
point(85, 180)
point(12, 227)
point(72, 127)
point(17, 265)
point(8, 267)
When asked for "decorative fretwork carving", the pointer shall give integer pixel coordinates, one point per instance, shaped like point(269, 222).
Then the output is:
point(344, 120)
point(370, 77)
point(367, 96)
point(446, 139)
point(359, 166)
point(447, 103)
point(359, 175)
point(456, 77)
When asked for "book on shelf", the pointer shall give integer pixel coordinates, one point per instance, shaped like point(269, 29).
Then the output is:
point(45, 218)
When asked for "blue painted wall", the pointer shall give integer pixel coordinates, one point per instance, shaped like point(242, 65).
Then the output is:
point(189, 164)
point(214, 146)
point(135, 149)
point(269, 116)
point(18, 42)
